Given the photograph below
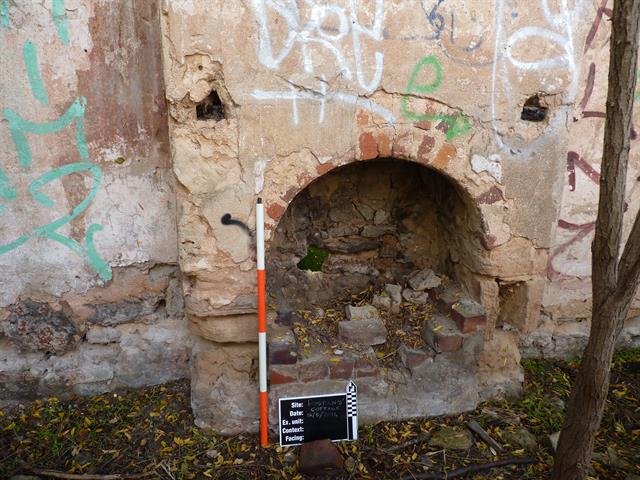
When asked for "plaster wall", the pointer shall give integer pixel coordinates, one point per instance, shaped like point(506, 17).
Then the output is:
point(90, 293)
point(310, 86)
point(112, 191)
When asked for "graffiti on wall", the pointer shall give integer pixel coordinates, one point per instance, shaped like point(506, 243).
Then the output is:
point(305, 34)
point(20, 129)
point(456, 124)
point(577, 233)
point(557, 34)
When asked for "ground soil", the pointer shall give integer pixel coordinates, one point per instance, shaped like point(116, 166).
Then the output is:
point(151, 431)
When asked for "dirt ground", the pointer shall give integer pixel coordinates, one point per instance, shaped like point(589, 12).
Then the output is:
point(149, 433)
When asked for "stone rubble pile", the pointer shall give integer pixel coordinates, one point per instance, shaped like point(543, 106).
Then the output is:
point(453, 331)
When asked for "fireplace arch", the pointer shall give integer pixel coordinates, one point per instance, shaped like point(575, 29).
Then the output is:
point(371, 223)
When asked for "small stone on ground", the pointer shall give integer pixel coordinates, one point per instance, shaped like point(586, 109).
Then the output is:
point(362, 332)
point(553, 440)
point(394, 292)
point(452, 439)
point(522, 438)
point(417, 298)
point(365, 312)
point(424, 280)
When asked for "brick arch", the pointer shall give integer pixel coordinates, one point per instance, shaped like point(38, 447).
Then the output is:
point(420, 152)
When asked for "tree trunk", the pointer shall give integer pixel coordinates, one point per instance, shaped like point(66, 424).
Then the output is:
point(614, 283)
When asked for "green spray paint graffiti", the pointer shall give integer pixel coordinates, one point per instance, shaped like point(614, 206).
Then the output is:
point(59, 15)
point(50, 230)
point(30, 57)
point(458, 124)
point(4, 13)
point(20, 127)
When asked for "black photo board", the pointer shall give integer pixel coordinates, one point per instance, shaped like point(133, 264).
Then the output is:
point(333, 416)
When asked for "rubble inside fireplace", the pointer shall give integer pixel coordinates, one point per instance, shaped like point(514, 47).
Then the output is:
point(364, 273)
point(405, 344)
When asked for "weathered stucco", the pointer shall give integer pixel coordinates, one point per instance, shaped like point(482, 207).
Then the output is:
point(91, 297)
point(503, 101)
point(309, 87)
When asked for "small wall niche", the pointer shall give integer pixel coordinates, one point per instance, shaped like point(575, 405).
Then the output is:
point(533, 110)
point(211, 108)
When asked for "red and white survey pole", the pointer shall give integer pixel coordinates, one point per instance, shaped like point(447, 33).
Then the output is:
point(262, 322)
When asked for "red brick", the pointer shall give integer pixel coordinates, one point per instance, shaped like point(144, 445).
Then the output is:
point(368, 146)
point(425, 149)
point(283, 349)
point(281, 375)
point(468, 315)
point(283, 354)
point(442, 333)
point(341, 368)
point(449, 343)
point(313, 369)
point(448, 297)
point(413, 358)
point(367, 364)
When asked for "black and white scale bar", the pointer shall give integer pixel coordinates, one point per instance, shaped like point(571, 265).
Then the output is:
point(352, 410)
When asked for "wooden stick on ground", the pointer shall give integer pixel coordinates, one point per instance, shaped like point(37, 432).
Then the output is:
point(482, 433)
point(89, 476)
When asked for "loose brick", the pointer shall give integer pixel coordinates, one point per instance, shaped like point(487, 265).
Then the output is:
point(366, 312)
point(283, 354)
point(367, 365)
point(469, 315)
point(362, 332)
point(425, 279)
point(448, 297)
point(442, 334)
point(283, 349)
point(413, 358)
point(417, 298)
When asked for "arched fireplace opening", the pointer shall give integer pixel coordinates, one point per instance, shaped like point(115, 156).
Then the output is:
point(368, 224)
point(365, 271)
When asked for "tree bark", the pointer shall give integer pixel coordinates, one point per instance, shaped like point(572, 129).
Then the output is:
point(614, 282)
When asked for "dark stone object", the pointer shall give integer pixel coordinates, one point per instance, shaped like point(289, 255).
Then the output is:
point(123, 312)
point(320, 457)
point(35, 326)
